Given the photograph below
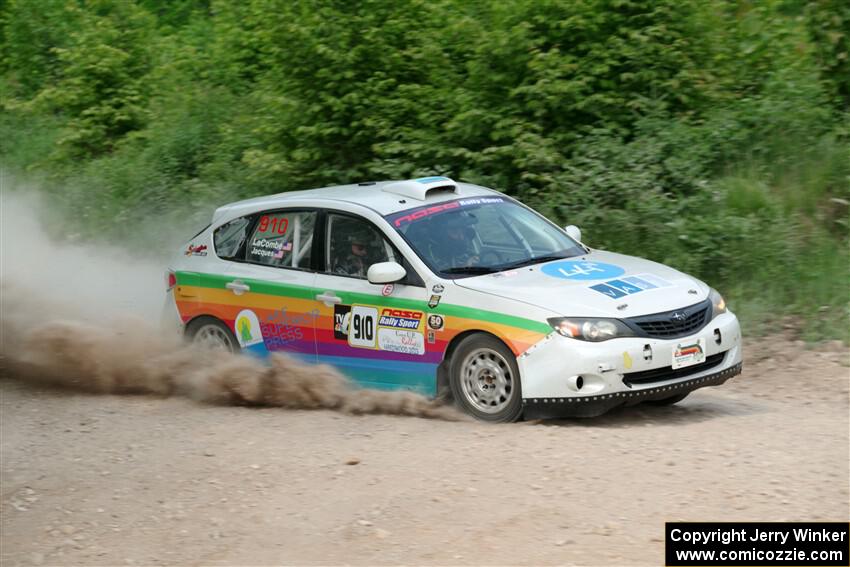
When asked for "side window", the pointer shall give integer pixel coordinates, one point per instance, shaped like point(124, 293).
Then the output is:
point(353, 245)
point(228, 238)
point(283, 239)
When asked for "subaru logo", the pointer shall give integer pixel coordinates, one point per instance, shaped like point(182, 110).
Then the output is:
point(678, 316)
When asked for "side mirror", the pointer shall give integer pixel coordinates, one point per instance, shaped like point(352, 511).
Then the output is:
point(385, 272)
point(573, 231)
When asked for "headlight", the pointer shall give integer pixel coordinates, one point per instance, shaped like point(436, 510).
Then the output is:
point(718, 304)
point(594, 330)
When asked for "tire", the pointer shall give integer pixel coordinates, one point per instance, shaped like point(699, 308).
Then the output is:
point(211, 333)
point(484, 379)
point(668, 401)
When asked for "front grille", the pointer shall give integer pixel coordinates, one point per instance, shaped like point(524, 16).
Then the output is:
point(667, 373)
point(676, 323)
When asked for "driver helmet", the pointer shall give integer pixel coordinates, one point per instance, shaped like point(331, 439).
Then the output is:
point(362, 237)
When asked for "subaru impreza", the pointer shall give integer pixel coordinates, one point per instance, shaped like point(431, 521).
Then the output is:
point(455, 291)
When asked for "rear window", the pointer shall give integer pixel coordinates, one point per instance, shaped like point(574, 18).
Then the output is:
point(228, 238)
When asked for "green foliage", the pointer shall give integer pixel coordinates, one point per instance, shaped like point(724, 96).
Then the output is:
point(32, 31)
point(829, 24)
point(713, 136)
point(101, 88)
point(26, 140)
point(175, 13)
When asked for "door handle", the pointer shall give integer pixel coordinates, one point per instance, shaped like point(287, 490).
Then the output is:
point(237, 287)
point(329, 297)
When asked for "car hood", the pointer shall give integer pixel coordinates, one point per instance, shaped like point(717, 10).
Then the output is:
point(598, 284)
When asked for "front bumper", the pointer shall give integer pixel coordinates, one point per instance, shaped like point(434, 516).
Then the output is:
point(591, 406)
point(621, 371)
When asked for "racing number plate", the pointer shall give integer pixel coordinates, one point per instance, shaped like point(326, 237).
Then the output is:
point(688, 353)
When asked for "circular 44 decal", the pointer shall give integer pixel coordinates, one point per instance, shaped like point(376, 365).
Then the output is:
point(582, 270)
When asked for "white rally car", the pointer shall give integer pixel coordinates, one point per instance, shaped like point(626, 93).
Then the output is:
point(443, 287)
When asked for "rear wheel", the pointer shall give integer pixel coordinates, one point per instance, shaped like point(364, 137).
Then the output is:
point(210, 333)
point(484, 379)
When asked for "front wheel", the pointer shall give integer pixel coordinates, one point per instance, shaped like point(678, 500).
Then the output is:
point(484, 379)
point(210, 333)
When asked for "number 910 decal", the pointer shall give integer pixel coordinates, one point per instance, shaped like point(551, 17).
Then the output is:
point(387, 329)
point(361, 326)
point(277, 225)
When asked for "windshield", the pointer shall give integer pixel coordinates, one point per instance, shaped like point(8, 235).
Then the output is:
point(481, 235)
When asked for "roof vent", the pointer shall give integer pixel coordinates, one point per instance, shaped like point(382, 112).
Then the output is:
point(419, 189)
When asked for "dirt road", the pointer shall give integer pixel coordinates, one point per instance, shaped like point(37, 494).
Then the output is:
point(121, 480)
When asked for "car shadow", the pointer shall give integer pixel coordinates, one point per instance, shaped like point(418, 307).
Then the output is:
point(695, 410)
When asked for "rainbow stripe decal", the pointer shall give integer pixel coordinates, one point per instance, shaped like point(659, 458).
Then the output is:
point(380, 342)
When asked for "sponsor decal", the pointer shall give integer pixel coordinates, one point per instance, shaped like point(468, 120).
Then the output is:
point(508, 274)
point(480, 201)
point(248, 328)
point(630, 285)
point(438, 288)
point(249, 333)
point(688, 350)
point(436, 322)
point(396, 340)
point(277, 336)
point(412, 215)
point(431, 337)
point(342, 319)
point(688, 353)
point(387, 290)
point(281, 327)
point(434, 301)
point(200, 250)
point(386, 328)
point(422, 213)
point(400, 319)
point(647, 281)
point(581, 270)
point(627, 361)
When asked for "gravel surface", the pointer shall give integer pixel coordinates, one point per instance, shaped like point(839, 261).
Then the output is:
point(140, 480)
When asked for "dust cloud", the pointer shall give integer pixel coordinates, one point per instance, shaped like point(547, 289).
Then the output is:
point(85, 317)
